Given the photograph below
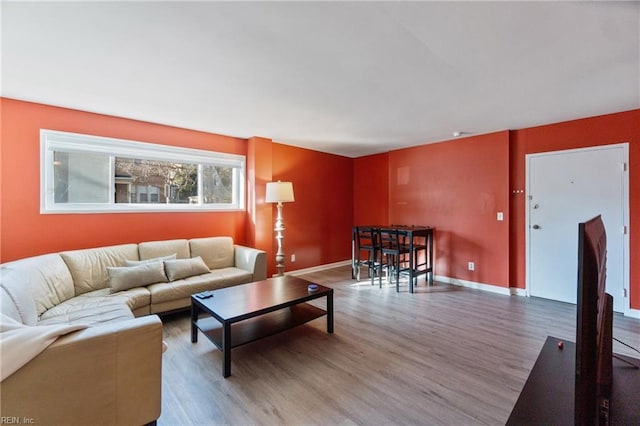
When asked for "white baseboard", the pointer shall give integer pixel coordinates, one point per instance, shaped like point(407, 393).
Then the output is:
point(318, 268)
point(511, 291)
point(515, 291)
point(632, 313)
point(507, 291)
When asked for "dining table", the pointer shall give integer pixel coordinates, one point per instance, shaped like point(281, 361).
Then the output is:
point(416, 236)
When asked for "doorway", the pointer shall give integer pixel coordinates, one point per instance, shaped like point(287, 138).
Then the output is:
point(563, 189)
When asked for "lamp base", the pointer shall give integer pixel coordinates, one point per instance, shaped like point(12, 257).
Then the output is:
point(279, 237)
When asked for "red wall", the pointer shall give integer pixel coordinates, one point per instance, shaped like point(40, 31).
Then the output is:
point(259, 213)
point(318, 224)
point(26, 232)
point(457, 187)
point(371, 190)
point(601, 130)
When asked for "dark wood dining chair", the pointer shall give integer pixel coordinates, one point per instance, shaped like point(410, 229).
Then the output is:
point(368, 244)
point(395, 251)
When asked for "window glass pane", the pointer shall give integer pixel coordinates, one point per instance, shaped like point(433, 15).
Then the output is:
point(153, 181)
point(81, 177)
point(217, 184)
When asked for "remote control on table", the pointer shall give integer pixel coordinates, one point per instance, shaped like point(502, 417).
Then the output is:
point(205, 294)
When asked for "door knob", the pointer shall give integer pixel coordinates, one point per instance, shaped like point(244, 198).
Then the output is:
point(536, 226)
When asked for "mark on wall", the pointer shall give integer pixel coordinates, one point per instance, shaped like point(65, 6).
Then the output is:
point(403, 175)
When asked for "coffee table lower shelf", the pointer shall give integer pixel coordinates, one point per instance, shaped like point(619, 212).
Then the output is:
point(252, 329)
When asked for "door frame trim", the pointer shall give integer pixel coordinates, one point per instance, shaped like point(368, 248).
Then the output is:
point(626, 238)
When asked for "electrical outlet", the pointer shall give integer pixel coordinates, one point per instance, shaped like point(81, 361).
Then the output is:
point(500, 216)
point(471, 266)
point(293, 258)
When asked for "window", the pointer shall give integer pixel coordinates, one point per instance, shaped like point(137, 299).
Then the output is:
point(91, 174)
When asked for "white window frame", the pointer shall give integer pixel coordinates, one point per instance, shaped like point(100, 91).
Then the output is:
point(52, 141)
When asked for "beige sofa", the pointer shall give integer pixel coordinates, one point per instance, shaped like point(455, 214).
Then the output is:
point(109, 372)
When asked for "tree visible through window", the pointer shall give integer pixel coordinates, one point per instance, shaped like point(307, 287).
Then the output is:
point(172, 182)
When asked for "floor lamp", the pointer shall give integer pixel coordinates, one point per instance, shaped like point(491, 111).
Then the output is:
point(279, 192)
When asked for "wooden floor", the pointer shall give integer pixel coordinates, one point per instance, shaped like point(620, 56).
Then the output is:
point(443, 355)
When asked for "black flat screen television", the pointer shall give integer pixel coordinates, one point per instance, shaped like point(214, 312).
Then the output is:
point(594, 333)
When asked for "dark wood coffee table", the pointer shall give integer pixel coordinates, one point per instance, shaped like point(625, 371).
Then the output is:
point(248, 312)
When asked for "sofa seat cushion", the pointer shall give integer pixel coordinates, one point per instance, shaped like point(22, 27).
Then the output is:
point(134, 299)
point(219, 278)
point(233, 276)
point(90, 314)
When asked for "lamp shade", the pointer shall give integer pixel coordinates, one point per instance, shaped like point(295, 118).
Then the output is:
point(279, 192)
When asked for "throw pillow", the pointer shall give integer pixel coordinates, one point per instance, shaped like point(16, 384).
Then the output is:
point(183, 268)
point(126, 277)
point(155, 259)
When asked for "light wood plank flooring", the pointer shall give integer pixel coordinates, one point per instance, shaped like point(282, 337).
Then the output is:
point(443, 355)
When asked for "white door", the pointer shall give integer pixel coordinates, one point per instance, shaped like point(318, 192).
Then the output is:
point(564, 188)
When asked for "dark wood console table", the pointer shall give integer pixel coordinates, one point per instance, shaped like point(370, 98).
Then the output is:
point(548, 394)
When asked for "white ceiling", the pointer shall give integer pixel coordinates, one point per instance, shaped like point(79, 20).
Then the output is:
point(350, 78)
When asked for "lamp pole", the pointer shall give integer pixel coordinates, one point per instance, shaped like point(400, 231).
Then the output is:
point(279, 228)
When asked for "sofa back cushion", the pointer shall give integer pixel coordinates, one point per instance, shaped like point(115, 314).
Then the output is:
point(217, 252)
point(89, 266)
point(152, 260)
point(155, 249)
point(9, 308)
point(34, 285)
